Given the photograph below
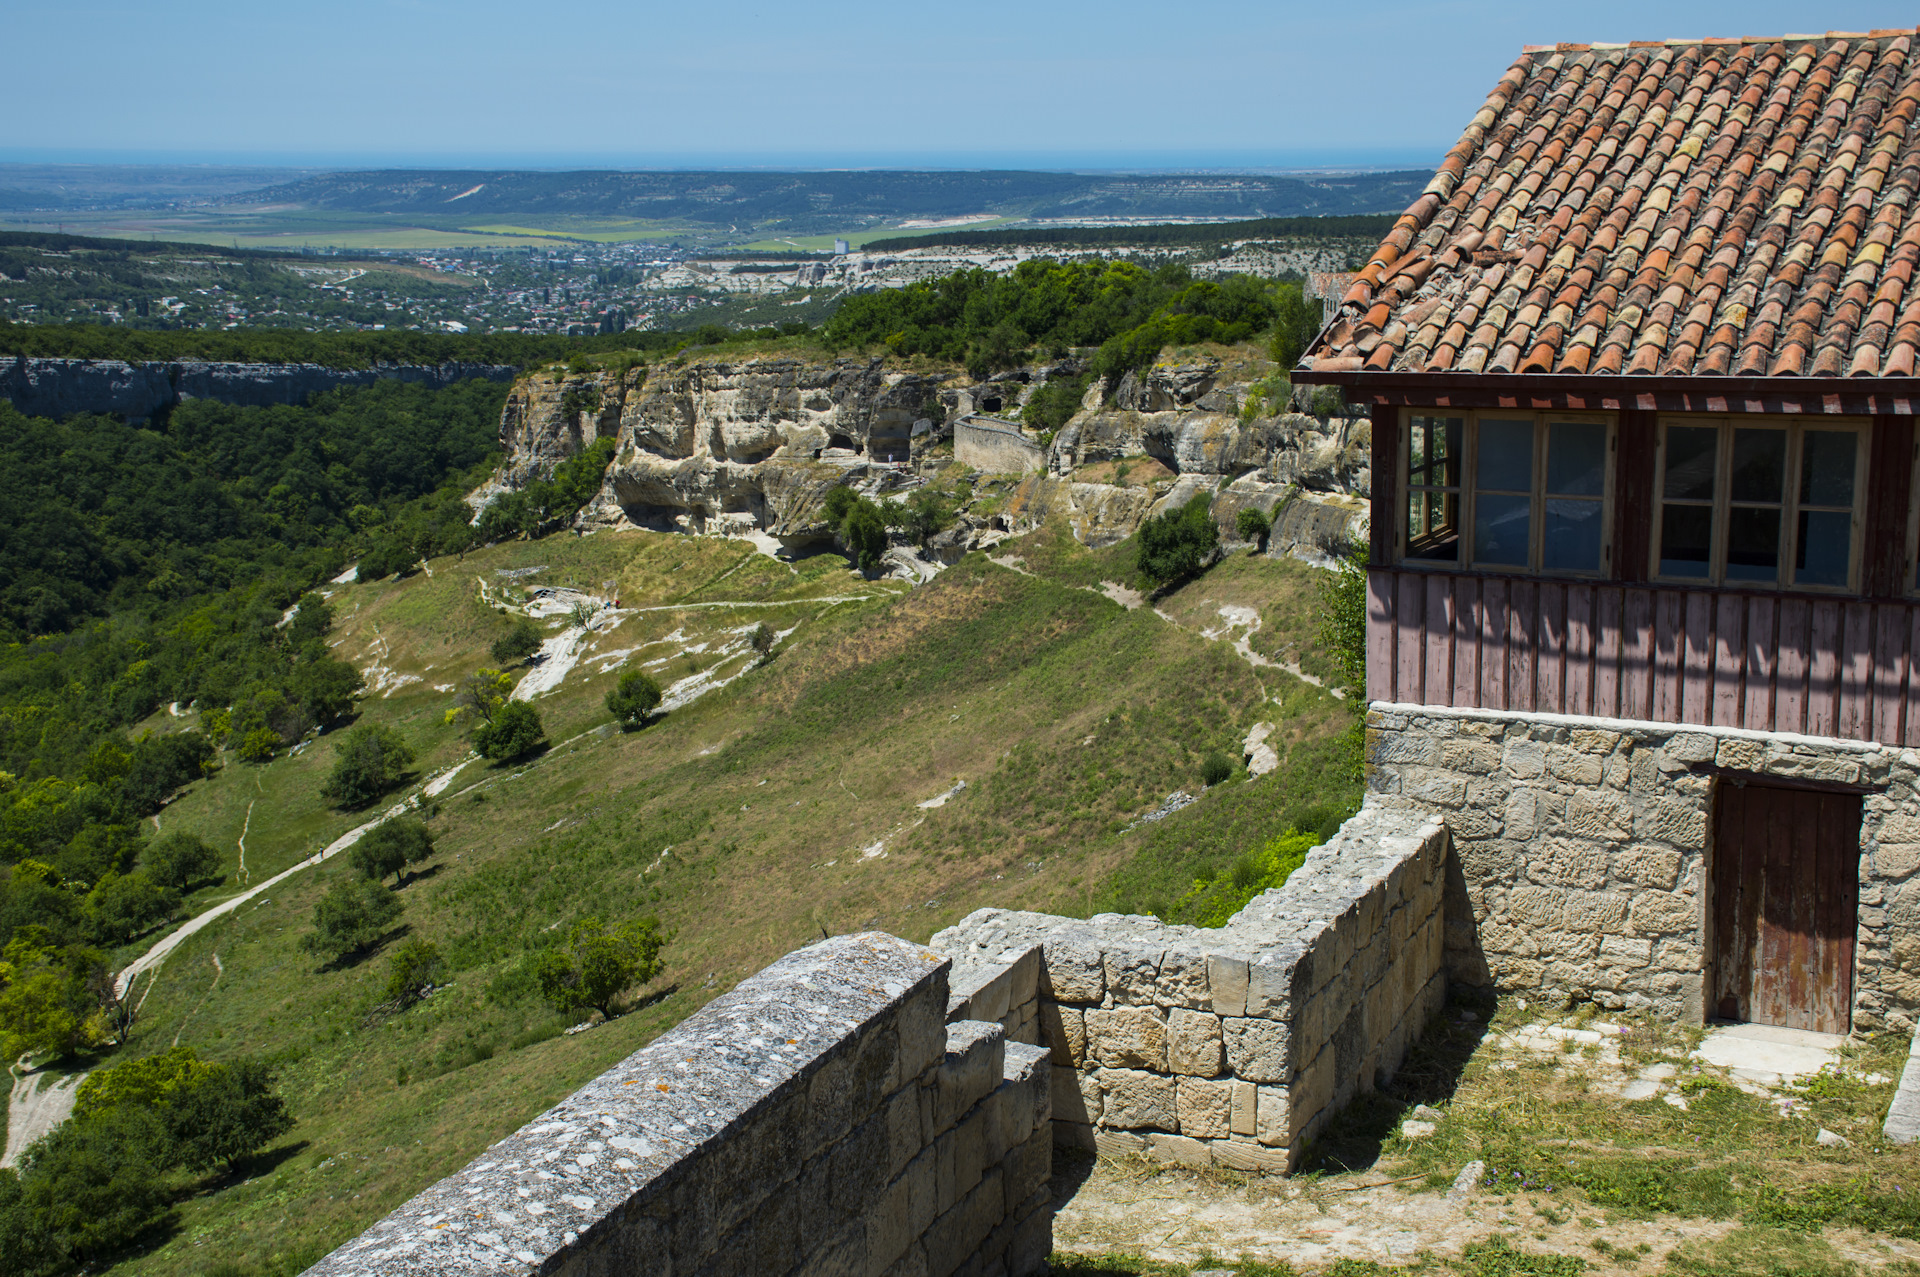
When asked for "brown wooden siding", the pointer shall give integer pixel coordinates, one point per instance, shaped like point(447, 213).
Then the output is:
point(1843, 667)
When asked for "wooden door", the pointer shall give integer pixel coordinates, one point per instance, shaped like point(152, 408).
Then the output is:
point(1786, 892)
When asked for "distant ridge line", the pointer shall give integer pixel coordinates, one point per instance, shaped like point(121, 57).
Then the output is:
point(1350, 225)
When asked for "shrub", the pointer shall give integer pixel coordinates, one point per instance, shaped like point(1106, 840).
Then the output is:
point(634, 698)
point(390, 846)
point(179, 860)
point(762, 640)
point(1175, 545)
point(258, 745)
point(1253, 525)
point(412, 971)
point(350, 918)
point(521, 640)
point(368, 762)
point(515, 732)
point(597, 964)
point(1215, 769)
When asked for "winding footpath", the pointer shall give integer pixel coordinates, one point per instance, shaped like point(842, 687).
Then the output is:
point(152, 958)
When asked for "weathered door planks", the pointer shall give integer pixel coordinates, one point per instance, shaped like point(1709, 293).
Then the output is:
point(1785, 906)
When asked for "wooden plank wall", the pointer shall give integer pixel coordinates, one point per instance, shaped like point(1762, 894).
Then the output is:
point(1843, 667)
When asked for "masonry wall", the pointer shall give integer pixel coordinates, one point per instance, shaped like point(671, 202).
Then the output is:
point(822, 1118)
point(1233, 1045)
point(995, 447)
point(1582, 848)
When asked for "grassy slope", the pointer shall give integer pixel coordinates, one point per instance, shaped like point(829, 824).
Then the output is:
point(1065, 714)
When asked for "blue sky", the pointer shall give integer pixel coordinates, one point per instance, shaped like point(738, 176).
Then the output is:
point(1039, 83)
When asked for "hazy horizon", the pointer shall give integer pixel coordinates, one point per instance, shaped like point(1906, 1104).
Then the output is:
point(1127, 85)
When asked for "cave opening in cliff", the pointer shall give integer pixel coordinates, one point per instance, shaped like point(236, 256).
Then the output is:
point(991, 403)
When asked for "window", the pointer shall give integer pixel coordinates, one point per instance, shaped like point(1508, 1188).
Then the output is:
point(1759, 504)
point(1530, 488)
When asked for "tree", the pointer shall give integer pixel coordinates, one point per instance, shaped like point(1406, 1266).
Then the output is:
point(367, 763)
point(121, 907)
point(521, 640)
point(326, 688)
point(46, 1006)
point(1253, 525)
point(480, 698)
point(1343, 615)
point(390, 846)
point(208, 1113)
point(515, 732)
point(634, 699)
point(258, 745)
point(412, 971)
point(144, 1083)
point(225, 1114)
point(599, 963)
point(1175, 545)
point(762, 640)
point(1215, 768)
point(864, 535)
point(92, 1188)
point(350, 918)
point(179, 860)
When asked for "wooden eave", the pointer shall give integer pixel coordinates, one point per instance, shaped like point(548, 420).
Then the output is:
point(1851, 396)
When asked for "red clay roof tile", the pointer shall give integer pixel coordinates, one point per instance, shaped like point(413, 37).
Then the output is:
point(1685, 207)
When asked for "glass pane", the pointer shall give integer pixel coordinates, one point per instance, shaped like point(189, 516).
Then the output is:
point(1826, 544)
point(1753, 544)
point(1692, 452)
point(1433, 525)
point(1576, 459)
point(1826, 467)
point(1759, 464)
point(1505, 459)
point(1686, 539)
point(1501, 526)
point(1571, 540)
point(1433, 451)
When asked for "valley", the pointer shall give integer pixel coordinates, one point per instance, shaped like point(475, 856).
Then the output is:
point(787, 802)
point(992, 715)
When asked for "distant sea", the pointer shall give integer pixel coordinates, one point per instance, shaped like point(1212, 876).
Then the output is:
point(1290, 160)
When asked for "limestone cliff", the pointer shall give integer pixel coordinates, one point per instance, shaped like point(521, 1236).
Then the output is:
point(754, 446)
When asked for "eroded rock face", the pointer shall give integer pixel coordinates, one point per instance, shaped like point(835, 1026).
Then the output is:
point(721, 447)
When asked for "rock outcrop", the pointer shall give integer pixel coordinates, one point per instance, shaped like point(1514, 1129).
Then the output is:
point(63, 387)
point(754, 446)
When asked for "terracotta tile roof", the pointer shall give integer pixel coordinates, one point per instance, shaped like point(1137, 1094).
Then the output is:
point(1701, 207)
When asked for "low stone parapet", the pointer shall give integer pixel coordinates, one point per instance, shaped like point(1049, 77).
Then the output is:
point(1234, 1045)
point(821, 1118)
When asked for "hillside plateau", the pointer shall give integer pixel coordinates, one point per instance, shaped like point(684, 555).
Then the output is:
point(771, 804)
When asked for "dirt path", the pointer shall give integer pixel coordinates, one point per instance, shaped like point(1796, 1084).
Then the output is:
point(34, 1109)
point(152, 958)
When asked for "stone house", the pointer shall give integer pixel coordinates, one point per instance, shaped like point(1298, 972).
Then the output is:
point(1643, 618)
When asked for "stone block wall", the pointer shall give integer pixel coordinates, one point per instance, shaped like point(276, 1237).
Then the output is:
point(1233, 1045)
point(995, 447)
point(1582, 848)
point(822, 1118)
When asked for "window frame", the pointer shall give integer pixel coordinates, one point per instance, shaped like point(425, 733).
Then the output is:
point(1466, 559)
point(1790, 505)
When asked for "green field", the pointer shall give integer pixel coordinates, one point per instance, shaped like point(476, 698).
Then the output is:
point(824, 243)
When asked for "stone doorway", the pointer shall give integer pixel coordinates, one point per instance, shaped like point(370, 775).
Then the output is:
point(1785, 900)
